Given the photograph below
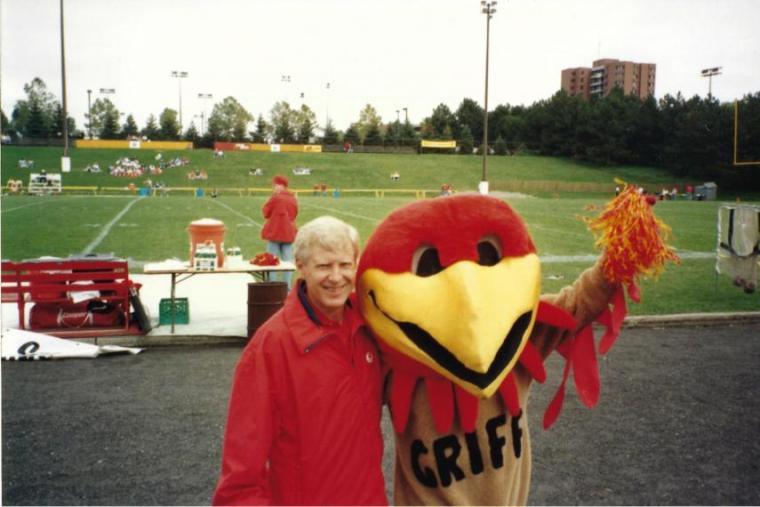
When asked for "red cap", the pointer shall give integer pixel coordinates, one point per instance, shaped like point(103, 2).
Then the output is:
point(280, 180)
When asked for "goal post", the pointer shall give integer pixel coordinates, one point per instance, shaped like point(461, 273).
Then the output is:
point(736, 139)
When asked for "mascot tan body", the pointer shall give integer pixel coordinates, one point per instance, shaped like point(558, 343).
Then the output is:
point(451, 289)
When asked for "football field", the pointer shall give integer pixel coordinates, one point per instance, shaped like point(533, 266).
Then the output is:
point(155, 228)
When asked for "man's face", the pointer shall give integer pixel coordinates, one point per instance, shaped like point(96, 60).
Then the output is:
point(330, 277)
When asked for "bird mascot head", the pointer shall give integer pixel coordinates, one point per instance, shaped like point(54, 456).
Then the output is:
point(453, 284)
point(450, 286)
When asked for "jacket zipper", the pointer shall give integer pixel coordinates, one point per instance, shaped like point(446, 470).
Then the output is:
point(315, 343)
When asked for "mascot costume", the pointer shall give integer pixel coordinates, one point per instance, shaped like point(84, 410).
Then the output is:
point(451, 289)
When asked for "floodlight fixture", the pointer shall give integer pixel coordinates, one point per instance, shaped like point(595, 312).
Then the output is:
point(709, 73)
point(180, 74)
point(108, 91)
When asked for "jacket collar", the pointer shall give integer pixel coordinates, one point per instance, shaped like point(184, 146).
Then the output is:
point(304, 324)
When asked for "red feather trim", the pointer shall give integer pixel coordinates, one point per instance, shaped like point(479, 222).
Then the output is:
point(467, 405)
point(555, 406)
point(634, 292)
point(402, 388)
point(555, 316)
point(585, 367)
point(508, 391)
point(533, 362)
point(441, 395)
point(580, 355)
point(612, 320)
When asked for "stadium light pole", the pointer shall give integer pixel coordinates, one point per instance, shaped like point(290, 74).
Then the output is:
point(65, 161)
point(489, 9)
point(327, 105)
point(89, 114)
point(203, 112)
point(406, 115)
point(180, 75)
point(202, 117)
point(285, 79)
point(709, 73)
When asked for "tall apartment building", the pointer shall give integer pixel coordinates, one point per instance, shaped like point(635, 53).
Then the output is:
point(606, 74)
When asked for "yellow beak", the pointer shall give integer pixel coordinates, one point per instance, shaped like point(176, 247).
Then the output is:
point(468, 322)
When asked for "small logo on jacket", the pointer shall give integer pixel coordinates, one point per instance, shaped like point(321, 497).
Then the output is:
point(369, 357)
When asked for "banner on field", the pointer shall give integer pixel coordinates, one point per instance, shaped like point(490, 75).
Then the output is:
point(438, 144)
point(133, 144)
point(273, 148)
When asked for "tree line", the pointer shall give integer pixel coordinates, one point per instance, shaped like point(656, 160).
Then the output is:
point(690, 137)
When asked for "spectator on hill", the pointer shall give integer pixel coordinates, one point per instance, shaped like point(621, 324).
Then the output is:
point(279, 231)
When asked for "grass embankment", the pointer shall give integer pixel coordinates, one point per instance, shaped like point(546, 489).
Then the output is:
point(542, 176)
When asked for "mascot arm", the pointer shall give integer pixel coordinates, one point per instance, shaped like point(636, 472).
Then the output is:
point(633, 241)
point(584, 299)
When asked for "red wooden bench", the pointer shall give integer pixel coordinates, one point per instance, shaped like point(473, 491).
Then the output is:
point(56, 282)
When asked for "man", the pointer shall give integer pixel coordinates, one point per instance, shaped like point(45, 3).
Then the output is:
point(304, 416)
point(280, 212)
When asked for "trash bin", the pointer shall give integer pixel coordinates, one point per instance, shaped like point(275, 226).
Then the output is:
point(264, 299)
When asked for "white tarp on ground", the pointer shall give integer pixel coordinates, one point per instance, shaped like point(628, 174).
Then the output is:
point(26, 345)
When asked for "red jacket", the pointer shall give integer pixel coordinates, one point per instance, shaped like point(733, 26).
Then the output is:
point(280, 212)
point(304, 416)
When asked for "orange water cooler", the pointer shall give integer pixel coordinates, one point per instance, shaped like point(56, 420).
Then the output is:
point(207, 231)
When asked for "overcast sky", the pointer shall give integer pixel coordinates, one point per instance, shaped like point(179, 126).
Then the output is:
point(389, 53)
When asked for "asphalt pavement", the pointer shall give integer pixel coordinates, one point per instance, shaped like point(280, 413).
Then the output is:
point(678, 423)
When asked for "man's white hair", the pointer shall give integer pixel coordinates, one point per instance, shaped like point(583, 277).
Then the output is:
point(328, 233)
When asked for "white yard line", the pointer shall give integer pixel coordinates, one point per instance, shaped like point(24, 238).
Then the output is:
point(247, 218)
point(559, 232)
point(6, 210)
point(347, 213)
point(59, 199)
point(558, 259)
point(107, 228)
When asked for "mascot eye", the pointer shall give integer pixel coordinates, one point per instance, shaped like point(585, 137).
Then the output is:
point(488, 252)
point(426, 262)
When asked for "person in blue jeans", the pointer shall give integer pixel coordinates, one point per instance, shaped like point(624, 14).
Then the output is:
point(279, 231)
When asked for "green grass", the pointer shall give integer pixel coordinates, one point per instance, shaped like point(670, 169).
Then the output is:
point(530, 174)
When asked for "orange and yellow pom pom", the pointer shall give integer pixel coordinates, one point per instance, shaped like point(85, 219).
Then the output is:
point(632, 237)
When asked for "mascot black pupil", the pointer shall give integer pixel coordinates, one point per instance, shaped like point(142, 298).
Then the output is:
point(429, 263)
point(488, 255)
